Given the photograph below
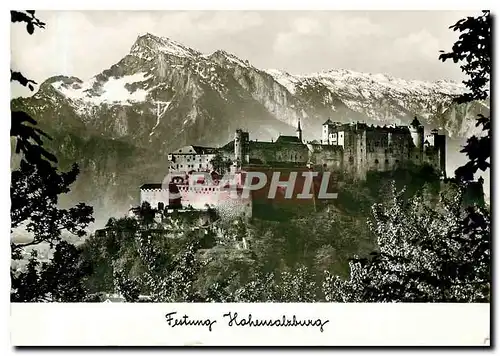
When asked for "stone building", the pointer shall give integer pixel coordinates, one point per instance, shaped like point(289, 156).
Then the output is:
point(359, 148)
point(191, 158)
point(351, 149)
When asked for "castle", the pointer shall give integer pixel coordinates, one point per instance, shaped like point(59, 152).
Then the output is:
point(350, 149)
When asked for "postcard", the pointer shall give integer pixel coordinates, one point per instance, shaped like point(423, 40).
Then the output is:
point(250, 178)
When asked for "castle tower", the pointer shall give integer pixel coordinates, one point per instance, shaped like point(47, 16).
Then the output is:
point(417, 135)
point(299, 132)
point(325, 135)
point(440, 145)
point(241, 154)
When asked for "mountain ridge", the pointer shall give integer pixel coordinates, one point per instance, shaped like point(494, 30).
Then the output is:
point(162, 95)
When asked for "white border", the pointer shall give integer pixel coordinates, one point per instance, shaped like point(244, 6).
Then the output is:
point(137, 324)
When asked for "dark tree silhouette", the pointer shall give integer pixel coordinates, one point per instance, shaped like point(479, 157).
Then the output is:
point(220, 165)
point(473, 50)
point(31, 21)
point(61, 280)
point(35, 187)
point(146, 215)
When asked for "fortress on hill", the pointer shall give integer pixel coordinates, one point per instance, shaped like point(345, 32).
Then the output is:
point(351, 150)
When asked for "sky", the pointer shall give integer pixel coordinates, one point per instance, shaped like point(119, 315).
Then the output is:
point(403, 44)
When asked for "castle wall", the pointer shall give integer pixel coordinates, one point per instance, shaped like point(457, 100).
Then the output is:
point(431, 156)
point(200, 197)
point(269, 152)
point(329, 157)
point(353, 149)
point(354, 152)
point(155, 196)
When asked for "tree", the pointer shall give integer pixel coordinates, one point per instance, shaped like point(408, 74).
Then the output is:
point(126, 286)
point(219, 164)
point(430, 253)
point(425, 254)
point(171, 278)
point(146, 215)
point(35, 187)
point(473, 50)
point(61, 280)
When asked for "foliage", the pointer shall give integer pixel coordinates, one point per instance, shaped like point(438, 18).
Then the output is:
point(170, 278)
point(60, 280)
point(35, 187)
point(34, 198)
point(126, 286)
point(473, 50)
point(220, 164)
point(425, 254)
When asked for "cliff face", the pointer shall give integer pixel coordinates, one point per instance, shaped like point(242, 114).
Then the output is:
point(120, 124)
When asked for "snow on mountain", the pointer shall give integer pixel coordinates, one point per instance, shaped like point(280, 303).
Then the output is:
point(120, 124)
point(290, 82)
point(229, 57)
point(341, 94)
point(113, 91)
point(160, 114)
point(364, 92)
point(353, 82)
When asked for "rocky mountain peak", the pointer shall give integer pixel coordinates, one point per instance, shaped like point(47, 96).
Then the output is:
point(223, 57)
point(148, 45)
point(120, 124)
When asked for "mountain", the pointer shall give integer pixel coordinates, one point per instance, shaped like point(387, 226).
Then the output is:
point(120, 124)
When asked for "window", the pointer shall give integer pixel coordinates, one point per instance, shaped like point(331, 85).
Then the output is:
point(386, 161)
point(397, 161)
point(376, 161)
point(351, 159)
point(416, 156)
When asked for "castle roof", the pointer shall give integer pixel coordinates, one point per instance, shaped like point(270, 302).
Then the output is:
point(328, 122)
point(199, 150)
point(288, 139)
point(415, 122)
point(151, 186)
point(228, 146)
point(204, 150)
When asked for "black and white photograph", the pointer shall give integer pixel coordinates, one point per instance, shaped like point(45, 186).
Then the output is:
point(250, 156)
